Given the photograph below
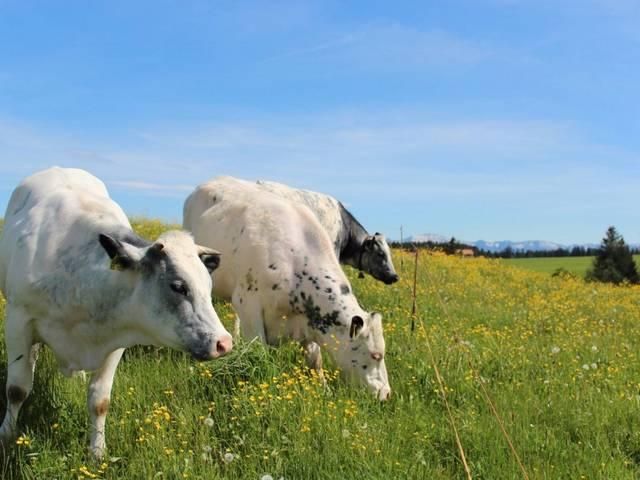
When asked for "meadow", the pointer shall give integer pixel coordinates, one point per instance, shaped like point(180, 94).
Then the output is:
point(557, 359)
point(576, 265)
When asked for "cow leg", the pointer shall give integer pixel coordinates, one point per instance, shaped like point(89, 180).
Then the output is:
point(21, 361)
point(313, 356)
point(250, 317)
point(98, 398)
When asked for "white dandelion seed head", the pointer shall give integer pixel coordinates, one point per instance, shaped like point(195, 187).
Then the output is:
point(206, 449)
point(266, 477)
point(585, 366)
point(594, 366)
point(594, 348)
point(346, 433)
point(228, 457)
point(555, 350)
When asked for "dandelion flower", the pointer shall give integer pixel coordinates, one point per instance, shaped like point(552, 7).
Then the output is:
point(208, 422)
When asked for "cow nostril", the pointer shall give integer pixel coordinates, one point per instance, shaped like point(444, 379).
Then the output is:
point(224, 346)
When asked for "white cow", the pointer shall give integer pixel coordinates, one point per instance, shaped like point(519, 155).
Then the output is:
point(283, 277)
point(353, 244)
point(77, 279)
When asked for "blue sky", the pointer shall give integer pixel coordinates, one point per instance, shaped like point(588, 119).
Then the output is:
point(483, 119)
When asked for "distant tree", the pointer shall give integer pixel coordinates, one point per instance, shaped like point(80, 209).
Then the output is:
point(614, 262)
point(507, 252)
point(578, 251)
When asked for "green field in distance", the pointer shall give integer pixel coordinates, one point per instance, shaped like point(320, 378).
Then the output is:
point(575, 265)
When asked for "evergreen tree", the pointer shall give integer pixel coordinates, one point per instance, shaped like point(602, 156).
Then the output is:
point(614, 262)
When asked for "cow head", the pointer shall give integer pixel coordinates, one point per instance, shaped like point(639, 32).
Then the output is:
point(375, 258)
point(359, 352)
point(170, 299)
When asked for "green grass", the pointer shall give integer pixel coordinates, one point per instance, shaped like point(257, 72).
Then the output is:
point(558, 358)
point(576, 265)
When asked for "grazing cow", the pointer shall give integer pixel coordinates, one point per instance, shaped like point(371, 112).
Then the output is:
point(77, 279)
point(283, 278)
point(353, 245)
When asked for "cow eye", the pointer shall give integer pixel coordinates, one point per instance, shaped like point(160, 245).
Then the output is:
point(179, 287)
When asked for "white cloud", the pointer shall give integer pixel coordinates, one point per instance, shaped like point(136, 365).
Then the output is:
point(391, 46)
point(393, 154)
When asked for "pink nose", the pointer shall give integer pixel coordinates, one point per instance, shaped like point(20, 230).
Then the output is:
point(384, 393)
point(223, 346)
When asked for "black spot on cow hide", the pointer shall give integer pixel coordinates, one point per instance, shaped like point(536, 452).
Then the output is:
point(317, 319)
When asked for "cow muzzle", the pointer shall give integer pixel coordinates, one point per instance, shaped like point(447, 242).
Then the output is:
point(223, 346)
point(215, 349)
point(389, 279)
point(384, 393)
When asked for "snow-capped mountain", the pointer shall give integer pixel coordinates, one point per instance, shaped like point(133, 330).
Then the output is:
point(531, 245)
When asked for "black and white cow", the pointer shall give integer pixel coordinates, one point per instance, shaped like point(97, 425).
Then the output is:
point(78, 279)
point(284, 280)
point(353, 245)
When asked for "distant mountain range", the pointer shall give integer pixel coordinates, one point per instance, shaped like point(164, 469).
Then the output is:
point(501, 245)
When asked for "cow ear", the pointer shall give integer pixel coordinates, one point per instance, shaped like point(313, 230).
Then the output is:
point(210, 257)
point(357, 324)
point(156, 251)
point(120, 258)
point(368, 243)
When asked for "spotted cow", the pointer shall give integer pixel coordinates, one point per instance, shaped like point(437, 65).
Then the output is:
point(282, 275)
point(353, 244)
point(78, 279)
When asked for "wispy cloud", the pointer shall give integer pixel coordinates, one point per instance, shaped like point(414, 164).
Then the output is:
point(391, 46)
point(394, 154)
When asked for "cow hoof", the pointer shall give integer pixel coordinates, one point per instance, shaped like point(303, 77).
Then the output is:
point(97, 453)
point(7, 440)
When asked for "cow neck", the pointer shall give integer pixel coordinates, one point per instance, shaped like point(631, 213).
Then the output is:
point(353, 237)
